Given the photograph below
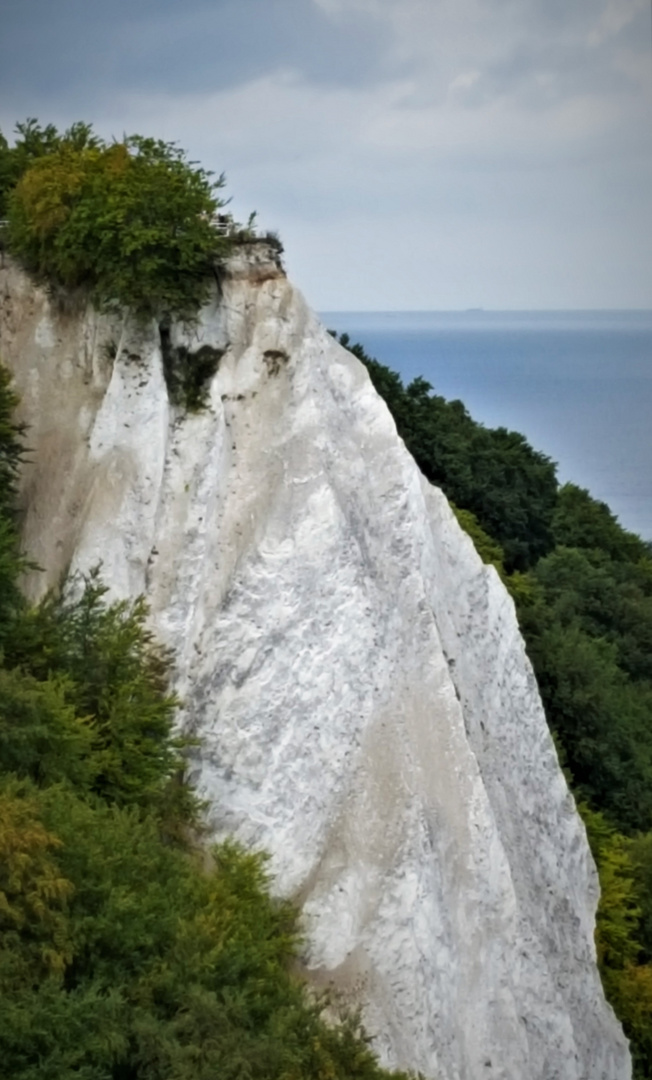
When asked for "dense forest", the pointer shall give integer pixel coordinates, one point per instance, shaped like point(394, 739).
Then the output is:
point(582, 586)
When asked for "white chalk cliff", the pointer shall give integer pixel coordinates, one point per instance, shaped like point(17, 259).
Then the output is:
point(366, 710)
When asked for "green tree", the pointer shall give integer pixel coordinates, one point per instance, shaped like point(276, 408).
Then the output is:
point(11, 455)
point(33, 893)
point(626, 971)
point(128, 221)
point(165, 968)
point(107, 668)
point(42, 737)
point(608, 597)
point(581, 521)
point(487, 548)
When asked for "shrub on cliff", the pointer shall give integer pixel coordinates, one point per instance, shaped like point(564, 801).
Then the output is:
point(32, 142)
point(130, 221)
point(11, 453)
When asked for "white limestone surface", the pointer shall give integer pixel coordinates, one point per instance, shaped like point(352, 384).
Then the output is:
point(366, 710)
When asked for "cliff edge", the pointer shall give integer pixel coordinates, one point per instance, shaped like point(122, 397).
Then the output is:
point(356, 675)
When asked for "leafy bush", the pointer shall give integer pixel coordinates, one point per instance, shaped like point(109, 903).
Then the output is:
point(33, 142)
point(187, 373)
point(487, 548)
point(623, 866)
point(11, 454)
point(580, 521)
point(129, 221)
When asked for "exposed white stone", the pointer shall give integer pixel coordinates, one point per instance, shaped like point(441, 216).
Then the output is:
point(356, 675)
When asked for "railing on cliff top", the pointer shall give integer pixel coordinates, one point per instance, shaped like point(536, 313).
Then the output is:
point(224, 226)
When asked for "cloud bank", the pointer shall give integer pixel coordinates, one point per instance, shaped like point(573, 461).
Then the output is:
point(412, 153)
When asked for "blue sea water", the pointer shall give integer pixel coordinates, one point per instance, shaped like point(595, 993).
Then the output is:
point(577, 384)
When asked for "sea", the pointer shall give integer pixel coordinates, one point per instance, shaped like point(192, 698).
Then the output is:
point(577, 384)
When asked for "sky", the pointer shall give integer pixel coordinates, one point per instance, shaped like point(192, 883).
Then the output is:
point(412, 154)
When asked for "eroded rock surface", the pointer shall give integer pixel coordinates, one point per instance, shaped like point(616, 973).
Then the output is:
point(356, 675)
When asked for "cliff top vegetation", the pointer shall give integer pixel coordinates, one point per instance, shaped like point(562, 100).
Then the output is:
point(130, 222)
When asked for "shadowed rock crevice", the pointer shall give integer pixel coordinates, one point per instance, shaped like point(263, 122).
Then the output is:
point(188, 373)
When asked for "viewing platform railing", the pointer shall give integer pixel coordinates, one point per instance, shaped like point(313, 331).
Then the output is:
point(225, 228)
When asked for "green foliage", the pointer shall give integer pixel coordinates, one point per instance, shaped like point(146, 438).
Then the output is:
point(130, 222)
point(599, 715)
point(581, 521)
point(488, 550)
point(11, 447)
point(42, 737)
point(588, 626)
point(109, 671)
point(170, 970)
point(33, 892)
point(618, 911)
point(11, 455)
point(623, 866)
point(607, 597)
point(33, 142)
point(510, 488)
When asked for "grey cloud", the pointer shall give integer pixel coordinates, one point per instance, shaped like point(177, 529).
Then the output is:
point(535, 50)
point(512, 126)
point(551, 59)
point(78, 51)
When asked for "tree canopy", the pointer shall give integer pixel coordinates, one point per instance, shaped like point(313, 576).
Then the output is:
point(128, 221)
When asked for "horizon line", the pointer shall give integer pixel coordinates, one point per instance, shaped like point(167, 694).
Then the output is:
point(486, 311)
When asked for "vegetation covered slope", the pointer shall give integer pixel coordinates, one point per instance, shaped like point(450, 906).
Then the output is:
point(583, 590)
point(126, 951)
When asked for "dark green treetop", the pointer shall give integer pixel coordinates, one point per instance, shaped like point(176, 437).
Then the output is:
point(130, 222)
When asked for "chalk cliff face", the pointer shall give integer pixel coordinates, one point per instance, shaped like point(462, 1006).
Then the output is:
point(357, 677)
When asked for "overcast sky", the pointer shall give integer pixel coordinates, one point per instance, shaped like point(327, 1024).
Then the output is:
point(412, 154)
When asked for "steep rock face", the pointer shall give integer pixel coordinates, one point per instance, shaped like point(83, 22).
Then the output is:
point(356, 675)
